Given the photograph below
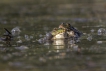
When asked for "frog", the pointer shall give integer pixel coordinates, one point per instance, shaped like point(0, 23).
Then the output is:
point(63, 31)
point(72, 31)
point(60, 33)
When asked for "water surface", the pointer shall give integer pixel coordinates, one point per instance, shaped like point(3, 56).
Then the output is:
point(35, 18)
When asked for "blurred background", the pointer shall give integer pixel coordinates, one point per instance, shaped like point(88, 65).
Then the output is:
point(30, 20)
point(23, 12)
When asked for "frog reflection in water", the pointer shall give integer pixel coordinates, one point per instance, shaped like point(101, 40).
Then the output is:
point(64, 31)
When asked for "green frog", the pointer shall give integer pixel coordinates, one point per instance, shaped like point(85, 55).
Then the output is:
point(62, 32)
point(58, 33)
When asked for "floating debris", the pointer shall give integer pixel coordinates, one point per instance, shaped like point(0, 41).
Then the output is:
point(15, 31)
point(8, 37)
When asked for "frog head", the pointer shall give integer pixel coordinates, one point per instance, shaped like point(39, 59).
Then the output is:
point(65, 26)
point(59, 33)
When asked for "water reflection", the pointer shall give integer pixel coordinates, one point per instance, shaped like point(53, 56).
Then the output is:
point(64, 46)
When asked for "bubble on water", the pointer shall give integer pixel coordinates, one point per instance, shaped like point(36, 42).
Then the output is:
point(75, 48)
point(40, 35)
point(48, 36)
point(89, 38)
point(31, 37)
point(1, 45)
point(15, 31)
point(40, 40)
point(23, 47)
point(19, 41)
point(92, 30)
point(71, 42)
point(6, 57)
point(41, 59)
point(19, 37)
point(99, 42)
point(4, 22)
point(45, 28)
point(33, 41)
point(27, 37)
point(84, 33)
point(17, 53)
point(101, 31)
point(16, 64)
point(47, 43)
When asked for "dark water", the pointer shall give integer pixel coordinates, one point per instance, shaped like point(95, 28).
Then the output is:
point(35, 18)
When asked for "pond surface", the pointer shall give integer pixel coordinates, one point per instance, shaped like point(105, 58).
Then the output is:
point(35, 18)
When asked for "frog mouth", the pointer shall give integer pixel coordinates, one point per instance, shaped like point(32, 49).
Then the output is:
point(58, 33)
point(60, 36)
